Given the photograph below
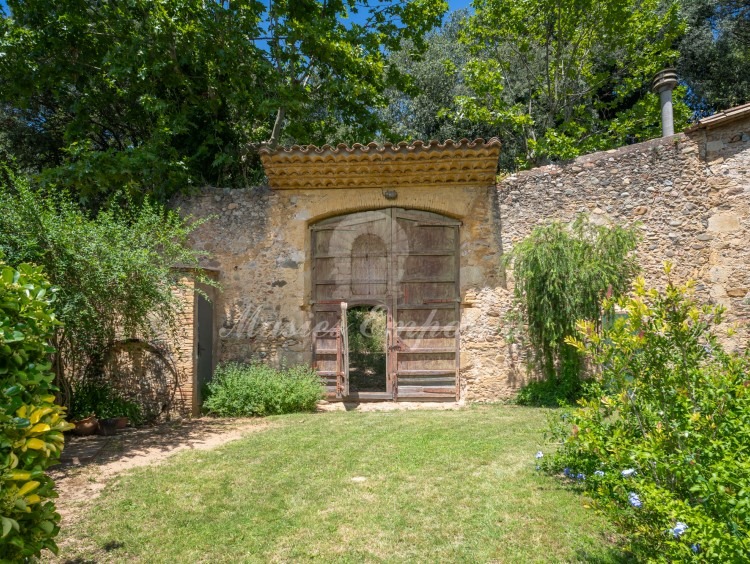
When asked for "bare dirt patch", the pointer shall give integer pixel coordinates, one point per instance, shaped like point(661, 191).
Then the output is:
point(89, 463)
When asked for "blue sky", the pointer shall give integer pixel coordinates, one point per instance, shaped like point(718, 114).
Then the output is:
point(458, 4)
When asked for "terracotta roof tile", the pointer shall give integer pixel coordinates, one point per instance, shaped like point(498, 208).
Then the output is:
point(721, 118)
point(452, 163)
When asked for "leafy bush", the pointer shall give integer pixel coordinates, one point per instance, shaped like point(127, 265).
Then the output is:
point(31, 425)
point(115, 272)
point(100, 399)
point(241, 390)
point(662, 442)
point(561, 275)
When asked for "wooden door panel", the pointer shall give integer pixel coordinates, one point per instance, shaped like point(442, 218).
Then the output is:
point(407, 261)
point(427, 293)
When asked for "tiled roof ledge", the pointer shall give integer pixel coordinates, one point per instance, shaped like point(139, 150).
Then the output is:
point(452, 163)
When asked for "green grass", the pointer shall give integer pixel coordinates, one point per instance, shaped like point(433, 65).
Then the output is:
point(441, 486)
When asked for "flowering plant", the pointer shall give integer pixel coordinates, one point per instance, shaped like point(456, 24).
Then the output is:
point(664, 431)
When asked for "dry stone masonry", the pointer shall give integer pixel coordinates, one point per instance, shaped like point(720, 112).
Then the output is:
point(689, 194)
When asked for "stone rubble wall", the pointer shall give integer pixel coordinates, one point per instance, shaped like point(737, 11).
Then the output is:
point(259, 240)
point(690, 194)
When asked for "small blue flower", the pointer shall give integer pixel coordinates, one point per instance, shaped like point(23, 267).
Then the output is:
point(628, 472)
point(695, 548)
point(599, 473)
point(679, 529)
point(566, 472)
point(634, 500)
point(580, 476)
point(539, 454)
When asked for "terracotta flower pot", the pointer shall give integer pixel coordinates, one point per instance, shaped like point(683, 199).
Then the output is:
point(87, 426)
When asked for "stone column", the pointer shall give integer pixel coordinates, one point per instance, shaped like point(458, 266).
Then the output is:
point(663, 84)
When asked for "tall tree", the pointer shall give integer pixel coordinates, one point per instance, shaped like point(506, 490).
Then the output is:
point(160, 95)
point(558, 78)
point(715, 53)
point(424, 108)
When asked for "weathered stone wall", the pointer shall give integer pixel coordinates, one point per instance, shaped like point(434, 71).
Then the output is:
point(689, 193)
point(259, 241)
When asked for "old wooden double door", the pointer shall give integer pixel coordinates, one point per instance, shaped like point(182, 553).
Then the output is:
point(405, 264)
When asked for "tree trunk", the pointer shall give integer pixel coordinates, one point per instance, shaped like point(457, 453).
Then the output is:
point(276, 133)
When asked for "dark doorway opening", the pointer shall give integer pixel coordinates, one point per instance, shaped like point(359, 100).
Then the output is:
point(205, 344)
point(366, 331)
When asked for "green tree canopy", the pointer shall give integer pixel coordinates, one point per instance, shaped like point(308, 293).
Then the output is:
point(424, 108)
point(158, 95)
point(565, 77)
point(715, 53)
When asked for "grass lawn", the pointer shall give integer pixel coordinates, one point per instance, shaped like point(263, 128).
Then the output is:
point(426, 486)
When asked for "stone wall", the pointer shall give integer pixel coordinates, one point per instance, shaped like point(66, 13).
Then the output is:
point(689, 193)
point(259, 240)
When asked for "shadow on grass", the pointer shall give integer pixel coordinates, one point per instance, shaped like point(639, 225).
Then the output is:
point(612, 556)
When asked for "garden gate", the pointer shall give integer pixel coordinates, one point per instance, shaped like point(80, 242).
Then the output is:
point(405, 262)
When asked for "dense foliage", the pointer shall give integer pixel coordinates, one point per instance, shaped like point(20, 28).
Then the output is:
point(102, 400)
point(159, 97)
point(425, 107)
point(115, 272)
point(562, 273)
point(31, 424)
point(562, 78)
point(246, 390)
point(715, 53)
point(661, 444)
point(156, 96)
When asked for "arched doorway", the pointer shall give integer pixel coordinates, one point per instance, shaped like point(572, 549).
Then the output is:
point(401, 262)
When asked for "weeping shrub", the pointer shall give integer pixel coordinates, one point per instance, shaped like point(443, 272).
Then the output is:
point(246, 390)
point(31, 424)
point(562, 272)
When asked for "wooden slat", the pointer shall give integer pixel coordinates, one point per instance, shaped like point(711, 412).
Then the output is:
point(448, 372)
point(427, 281)
point(431, 382)
point(347, 256)
point(443, 350)
point(426, 254)
point(343, 280)
point(410, 395)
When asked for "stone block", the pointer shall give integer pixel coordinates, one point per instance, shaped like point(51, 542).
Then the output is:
point(724, 222)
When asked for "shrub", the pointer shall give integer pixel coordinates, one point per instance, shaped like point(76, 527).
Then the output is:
point(662, 442)
point(31, 424)
point(561, 275)
point(115, 272)
point(242, 390)
point(100, 399)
